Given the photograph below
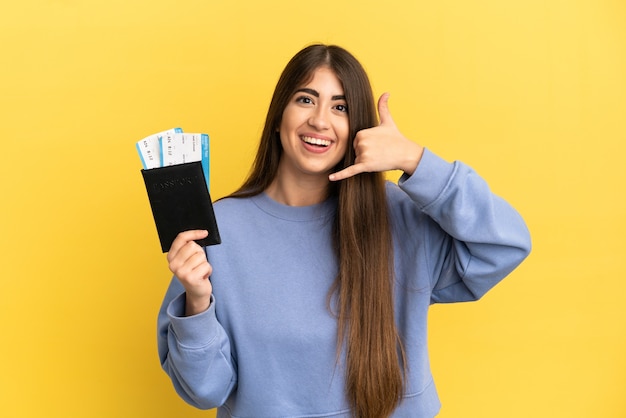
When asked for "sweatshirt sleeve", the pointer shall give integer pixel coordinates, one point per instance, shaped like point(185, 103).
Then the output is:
point(194, 351)
point(476, 238)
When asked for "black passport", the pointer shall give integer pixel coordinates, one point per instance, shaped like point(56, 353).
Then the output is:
point(180, 201)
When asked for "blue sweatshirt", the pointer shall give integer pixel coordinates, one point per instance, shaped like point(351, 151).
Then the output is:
point(266, 347)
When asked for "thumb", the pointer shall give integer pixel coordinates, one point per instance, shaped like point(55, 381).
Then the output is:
point(383, 109)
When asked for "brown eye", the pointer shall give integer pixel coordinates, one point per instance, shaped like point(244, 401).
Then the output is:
point(304, 99)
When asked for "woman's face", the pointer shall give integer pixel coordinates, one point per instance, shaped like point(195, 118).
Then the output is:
point(314, 127)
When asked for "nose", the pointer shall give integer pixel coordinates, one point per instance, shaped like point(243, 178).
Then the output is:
point(319, 119)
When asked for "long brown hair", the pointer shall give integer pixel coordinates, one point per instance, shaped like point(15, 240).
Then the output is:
point(361, 234)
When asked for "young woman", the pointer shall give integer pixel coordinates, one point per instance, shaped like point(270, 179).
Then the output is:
point(315, 304)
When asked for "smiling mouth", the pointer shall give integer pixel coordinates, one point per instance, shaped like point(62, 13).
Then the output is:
point(316, 141)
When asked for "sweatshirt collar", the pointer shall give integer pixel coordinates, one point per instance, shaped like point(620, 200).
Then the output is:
point(321, 210)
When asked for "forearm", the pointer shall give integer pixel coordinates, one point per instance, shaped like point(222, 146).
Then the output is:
point(195, 352)
point(485, 238)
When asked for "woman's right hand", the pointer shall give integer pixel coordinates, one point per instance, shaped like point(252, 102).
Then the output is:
point(188, 261)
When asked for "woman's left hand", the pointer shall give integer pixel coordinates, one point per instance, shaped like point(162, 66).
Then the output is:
point(382, 148)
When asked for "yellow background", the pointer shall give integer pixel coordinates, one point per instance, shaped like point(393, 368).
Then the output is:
point(530, 93)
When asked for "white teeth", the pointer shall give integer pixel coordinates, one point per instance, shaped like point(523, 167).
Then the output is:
point(316, 141)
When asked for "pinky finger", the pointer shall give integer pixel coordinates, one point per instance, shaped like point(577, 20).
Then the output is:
point(347, 172)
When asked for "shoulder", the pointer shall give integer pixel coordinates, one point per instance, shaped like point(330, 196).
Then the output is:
point(394, 193)
point(229, 203)
point(404, 213)
point(233, 208)
point(398, 200)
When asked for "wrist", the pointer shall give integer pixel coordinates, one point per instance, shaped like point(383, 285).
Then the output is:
point(196, 305)
point(412, 158)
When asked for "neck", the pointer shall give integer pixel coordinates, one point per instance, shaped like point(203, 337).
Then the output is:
point(301, 191)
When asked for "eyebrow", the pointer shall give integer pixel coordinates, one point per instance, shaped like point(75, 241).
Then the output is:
point(316, 93)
